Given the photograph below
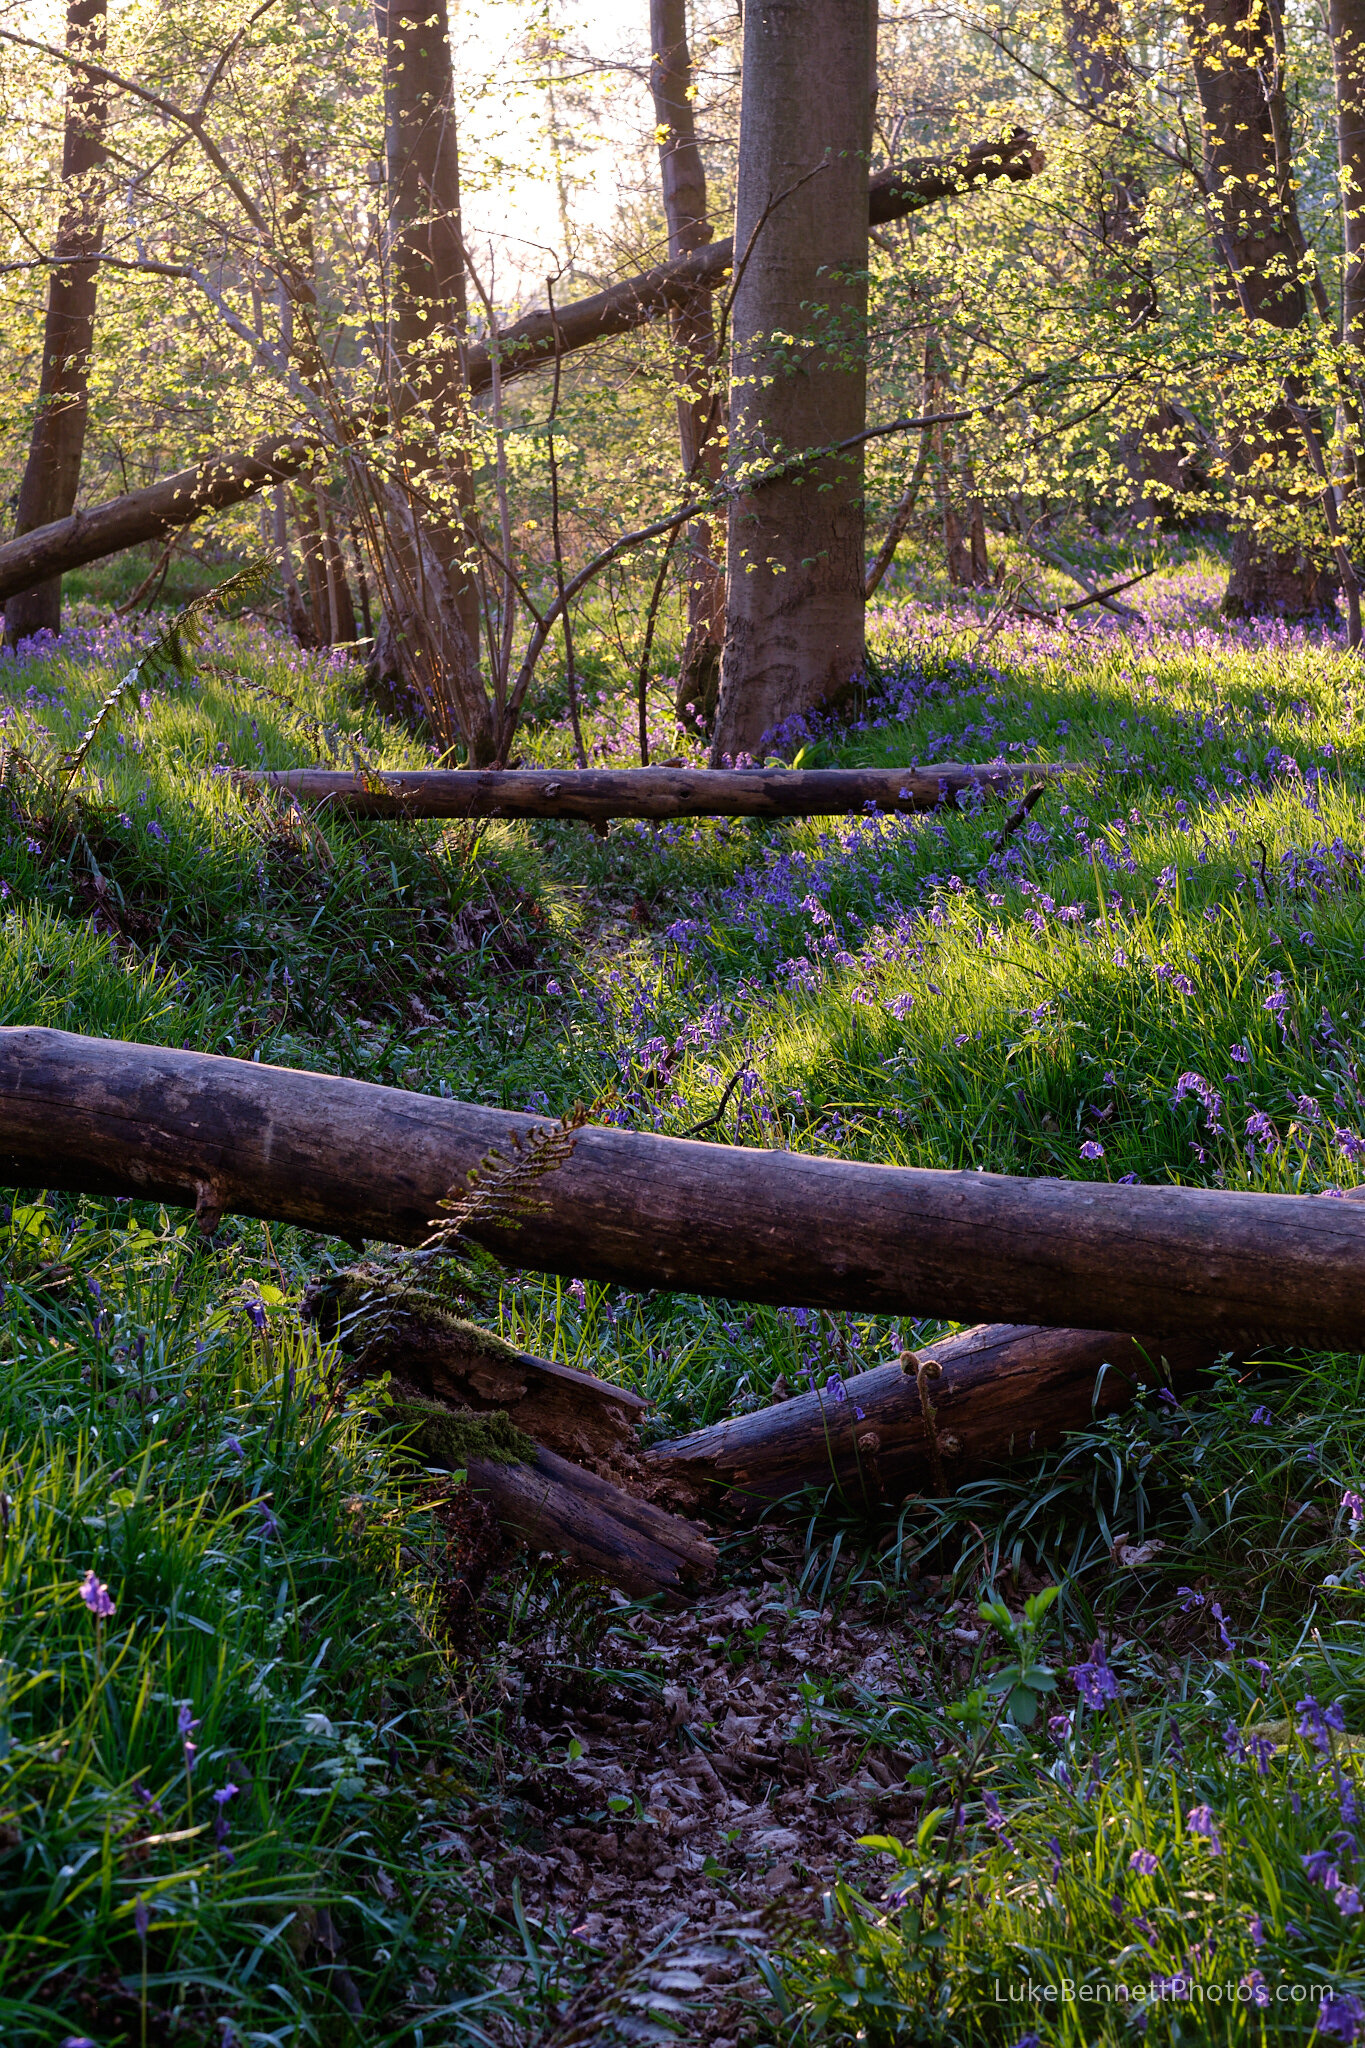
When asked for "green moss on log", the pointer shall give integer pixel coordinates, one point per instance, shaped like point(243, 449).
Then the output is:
point(446, 1436)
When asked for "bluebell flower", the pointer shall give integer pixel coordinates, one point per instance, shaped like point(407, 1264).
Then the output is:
point(1262, 1414)
point(1200, 1822)
point(1094, 1680)
point(1144, 1862)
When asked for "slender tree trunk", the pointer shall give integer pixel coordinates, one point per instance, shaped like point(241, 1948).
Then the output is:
point(1238, 67)
point(959, 507)
point(429, 391)
point(692, 325)
point(794, 556)
point(53, 473)
point(1158, 452)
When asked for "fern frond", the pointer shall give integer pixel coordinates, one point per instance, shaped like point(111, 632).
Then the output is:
point(167, 651)
point(498, 1191)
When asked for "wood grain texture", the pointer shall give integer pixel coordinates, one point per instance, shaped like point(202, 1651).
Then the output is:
point(1003, 1390)
point(597, 794)
point(555, 1505)
point(746, 1225)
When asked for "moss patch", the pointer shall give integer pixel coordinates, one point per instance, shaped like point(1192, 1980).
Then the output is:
point(451, 1437)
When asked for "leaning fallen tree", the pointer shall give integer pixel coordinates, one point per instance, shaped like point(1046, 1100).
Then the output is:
point(230, 477)
point(597, 794)
point(349, 1157)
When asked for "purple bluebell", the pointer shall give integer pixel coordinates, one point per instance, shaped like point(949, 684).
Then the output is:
point(96, 1597)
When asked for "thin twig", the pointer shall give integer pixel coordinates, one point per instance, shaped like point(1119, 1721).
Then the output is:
point(1018, 817)
point(708, 1122)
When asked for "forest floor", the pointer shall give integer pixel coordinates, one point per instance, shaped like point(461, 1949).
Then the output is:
point(324, 1762)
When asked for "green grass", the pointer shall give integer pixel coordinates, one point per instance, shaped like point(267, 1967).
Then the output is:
point(1189, 902)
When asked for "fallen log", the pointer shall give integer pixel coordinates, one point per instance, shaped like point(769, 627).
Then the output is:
point(230, 476)
point(555, 1505)
point(892, 194)
point(433, 1356)
point(994, 1393)
point(348, 1157)
point(150, 514)
point(597, 794)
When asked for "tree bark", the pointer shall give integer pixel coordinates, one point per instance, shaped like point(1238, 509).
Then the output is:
point(225, 1135)
point(230, 476)
point(959, 507)
point(1248, 178)
point(794, 564)
point(693, 328)
point(1347, 24)
point(556, 1505)
point(52, 474)
point(428, 387)
point(1001, 1391)
point(598, 794)
point(1159, 454)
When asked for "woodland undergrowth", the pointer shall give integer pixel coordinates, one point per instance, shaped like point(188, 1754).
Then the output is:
point(263, 1676)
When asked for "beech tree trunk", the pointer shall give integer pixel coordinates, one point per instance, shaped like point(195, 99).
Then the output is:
point(224, 1135)
point(794, 552)
point(230, 476)
point(693, 329)
point(52, 474)
point(1001, 1391)
point(1248, 176)
point(1347, 21)
point(598, 794)
point(428, 391)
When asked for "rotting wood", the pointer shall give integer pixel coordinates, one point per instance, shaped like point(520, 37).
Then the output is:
point(597, 794)
point(440, 1357)
point(349, 1157)
point(555, 1505)
point(998, 1391)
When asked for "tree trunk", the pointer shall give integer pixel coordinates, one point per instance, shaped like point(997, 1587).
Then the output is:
point(224, 1135)
point(1347, 20)
point(693, 329)
point(53, 472)
point(428, 390)
point(1159, 454)
point(230, 476)
point(597, 794)
point(963, 521)
point(1248, 180)
point(1001, 1391)
point(794, 553)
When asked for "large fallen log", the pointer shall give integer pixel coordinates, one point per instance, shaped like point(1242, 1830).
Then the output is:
point(349, 1157)
point(993, 1393)
point(601, 793)
point(233, 475)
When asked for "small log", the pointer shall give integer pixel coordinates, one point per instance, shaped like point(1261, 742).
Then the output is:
point(436, 1356)
point(598, 794)
point(995, 1392)
point(555, 1505)
point(745, 1224)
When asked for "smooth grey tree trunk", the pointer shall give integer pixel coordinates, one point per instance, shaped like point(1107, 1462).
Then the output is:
point(794, 555)
point(52, 474)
